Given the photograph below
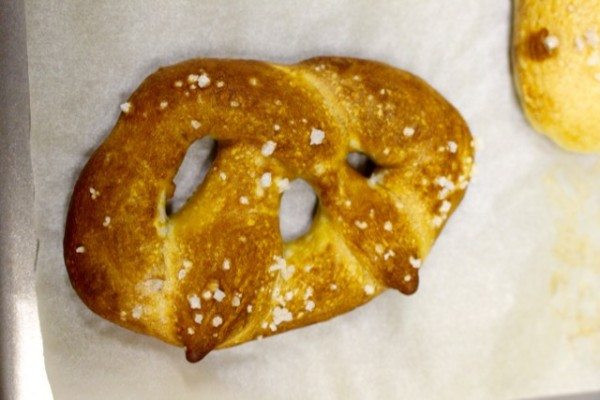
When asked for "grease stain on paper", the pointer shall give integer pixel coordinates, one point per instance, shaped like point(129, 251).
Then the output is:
point(575, 282)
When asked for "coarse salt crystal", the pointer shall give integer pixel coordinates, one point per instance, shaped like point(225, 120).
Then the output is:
point(194, 301)
point(309, 292)
point(408, 131)
point(361, 224)
point(452, 146)
point(551, 42)
point(226, 264)
point(310, 305)
point(217, 321)
point(137, 312)
point(369, 289)
point(287, 272)
point(244, 200)
point(198, 318)
point(195, 124)
point(126, 107)
point(445, 207)
point(80, 250)
point(281, 314)
point(203, 81)
point(316, 137)
point(388, 226)
point(236, 301)
point(282, 184)
point(444, 182)
point(375, 179)
point(268, 148)
point(163, 104)
point(389, 254)
point(106, 221)
point(414, 262)
point(279, 264)
point(219, 295)
point(443, 193)
point(94, 193)
point(265, 180)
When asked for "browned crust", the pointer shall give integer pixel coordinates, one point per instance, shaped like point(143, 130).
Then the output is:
point(128, 268)
point(556, 68)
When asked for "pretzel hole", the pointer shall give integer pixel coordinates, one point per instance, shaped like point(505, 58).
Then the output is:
point(361, 163)
point(297, 210)
point(193, 169)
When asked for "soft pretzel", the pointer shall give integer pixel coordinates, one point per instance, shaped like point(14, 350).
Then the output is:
point(556, 63)
point(217, 273)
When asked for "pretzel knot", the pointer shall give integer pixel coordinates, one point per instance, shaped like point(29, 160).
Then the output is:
point(217, 273)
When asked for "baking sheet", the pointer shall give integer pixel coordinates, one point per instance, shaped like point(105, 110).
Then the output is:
point(508, 303)
point(22, 374)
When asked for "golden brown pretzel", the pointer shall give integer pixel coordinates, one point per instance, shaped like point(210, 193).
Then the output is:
point(556, 64)
point(217, 272)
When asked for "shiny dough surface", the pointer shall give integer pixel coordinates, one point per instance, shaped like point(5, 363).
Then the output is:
point(556, 63)
point(217, 273)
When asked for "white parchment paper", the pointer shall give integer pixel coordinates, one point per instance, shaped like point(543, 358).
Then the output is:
point(508, 304)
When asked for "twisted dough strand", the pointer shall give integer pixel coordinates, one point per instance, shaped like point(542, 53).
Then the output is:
point(217, 273)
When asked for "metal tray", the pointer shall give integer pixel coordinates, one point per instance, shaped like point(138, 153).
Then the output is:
point(22, 374)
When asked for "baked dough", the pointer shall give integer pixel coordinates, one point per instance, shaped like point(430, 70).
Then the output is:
point(556, 62)
point(217, 273)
